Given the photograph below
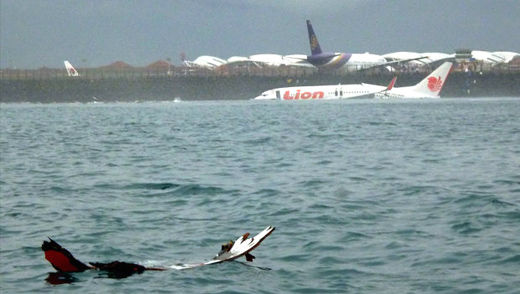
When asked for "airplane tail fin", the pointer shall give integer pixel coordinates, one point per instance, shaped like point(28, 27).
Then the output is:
point(71, 71)
point(313, 40)
point(61, 259)
point(433, 83)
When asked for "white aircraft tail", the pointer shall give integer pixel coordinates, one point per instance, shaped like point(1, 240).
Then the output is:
point(433, 83)
point(71, 71)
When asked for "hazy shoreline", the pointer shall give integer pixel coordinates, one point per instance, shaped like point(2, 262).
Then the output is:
point(165, 88)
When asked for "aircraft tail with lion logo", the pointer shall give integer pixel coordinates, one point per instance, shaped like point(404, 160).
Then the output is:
point(429, 87)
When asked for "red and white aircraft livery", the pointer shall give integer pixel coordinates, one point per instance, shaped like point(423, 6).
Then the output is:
point(429, 87)
point(325, 92)
point(71, 71)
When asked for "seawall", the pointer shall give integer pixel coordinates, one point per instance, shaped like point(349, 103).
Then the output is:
point(240, 87)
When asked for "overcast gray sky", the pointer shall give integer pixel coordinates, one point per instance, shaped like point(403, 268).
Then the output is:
point(36, 33)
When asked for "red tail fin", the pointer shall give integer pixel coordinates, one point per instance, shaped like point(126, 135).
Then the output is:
point(61, 259)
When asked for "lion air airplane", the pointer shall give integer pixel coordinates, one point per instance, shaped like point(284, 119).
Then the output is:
point(429, 87)
point(348, 61)
point(325, 92)
point(71, 71)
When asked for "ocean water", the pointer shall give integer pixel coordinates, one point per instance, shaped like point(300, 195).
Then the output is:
point(367, 196)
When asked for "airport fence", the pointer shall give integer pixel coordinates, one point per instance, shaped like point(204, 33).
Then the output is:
point(224, 71)
point(139, 73)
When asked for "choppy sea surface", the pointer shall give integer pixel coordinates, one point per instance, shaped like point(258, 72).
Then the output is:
point(367, 196)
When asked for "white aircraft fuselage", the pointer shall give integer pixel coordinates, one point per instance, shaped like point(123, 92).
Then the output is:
point(345, 61)
point(429, 87)
point(322, 92)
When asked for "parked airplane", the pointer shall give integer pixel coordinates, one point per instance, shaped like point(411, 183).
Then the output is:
point(349, 61)
point(429, 87)
point(324, 92)
point(71, 71)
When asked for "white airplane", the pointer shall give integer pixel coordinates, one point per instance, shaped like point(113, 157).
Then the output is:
point(348, 61)
point(71, 71)
point(429, 87)
point(326, 92)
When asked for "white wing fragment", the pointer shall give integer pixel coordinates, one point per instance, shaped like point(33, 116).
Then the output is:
point(244, 245)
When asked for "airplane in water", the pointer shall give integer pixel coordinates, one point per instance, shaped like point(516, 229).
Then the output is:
point(71, 71)
point(429, 87)
point(326, 92)
point(348, 61)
